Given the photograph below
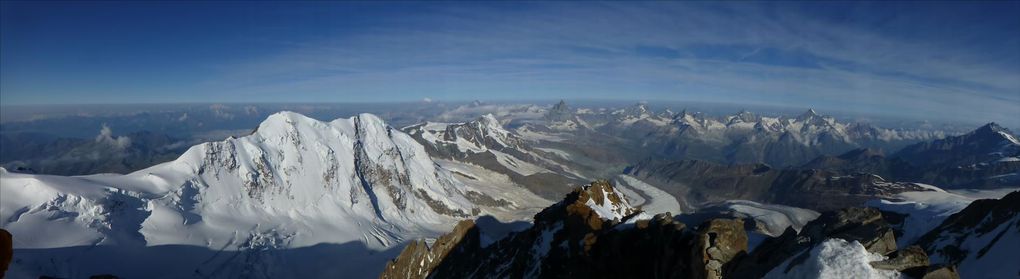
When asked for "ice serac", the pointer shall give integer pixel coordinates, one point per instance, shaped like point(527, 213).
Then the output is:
point(293, 182)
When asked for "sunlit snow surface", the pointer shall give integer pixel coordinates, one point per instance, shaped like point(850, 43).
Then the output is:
point(836, 259)
point(240, 206)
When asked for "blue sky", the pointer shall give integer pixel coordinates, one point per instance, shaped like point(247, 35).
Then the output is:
point(922, 59)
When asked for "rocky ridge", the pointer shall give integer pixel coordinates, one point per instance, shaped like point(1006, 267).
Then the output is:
point(571, 239)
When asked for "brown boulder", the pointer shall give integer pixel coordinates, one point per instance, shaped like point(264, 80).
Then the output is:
point(912, 257)
point(718, 241)
point(941, 272)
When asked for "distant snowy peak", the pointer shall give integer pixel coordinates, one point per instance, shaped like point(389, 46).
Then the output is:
point(637, 110)
point(808, 115)
point(809, 128)
point(476, 136)
point(742, 116)
point(990, 144)
point(994, 132)
point(639, 114)
point(559, 112)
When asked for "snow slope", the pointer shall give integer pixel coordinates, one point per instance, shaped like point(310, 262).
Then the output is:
point(295, 182)
point(834, 258)
point(926, 210)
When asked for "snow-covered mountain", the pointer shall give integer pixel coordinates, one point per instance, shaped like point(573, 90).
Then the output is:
point(484, 142)
point(987, 157)
point(294, 182)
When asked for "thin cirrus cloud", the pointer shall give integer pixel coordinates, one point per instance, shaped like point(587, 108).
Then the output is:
point(908, 59)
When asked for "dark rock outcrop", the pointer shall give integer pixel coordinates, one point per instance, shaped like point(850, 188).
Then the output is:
point(576, 238)
point(582, 237)
point(911, 260)
point(717, 242)
point(6, 251)
point(419, 258)
point(971, 233)
point(861, 224)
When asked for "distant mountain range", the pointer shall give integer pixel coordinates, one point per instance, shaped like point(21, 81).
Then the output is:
point(743, 137)
point(308, 198)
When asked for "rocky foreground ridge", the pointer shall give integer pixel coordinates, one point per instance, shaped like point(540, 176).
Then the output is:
point(594, 233)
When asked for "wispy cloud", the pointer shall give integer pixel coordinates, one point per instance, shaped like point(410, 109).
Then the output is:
point(909, 59)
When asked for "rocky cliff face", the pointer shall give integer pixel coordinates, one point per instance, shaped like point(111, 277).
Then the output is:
point(574, 238)
point(592, 233)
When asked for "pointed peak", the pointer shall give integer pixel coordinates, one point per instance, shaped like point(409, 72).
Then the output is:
point(559, 112)
point(476, 103)
point(561, 105)
point(992, 127)
point(994, 130)
point(810, 113)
